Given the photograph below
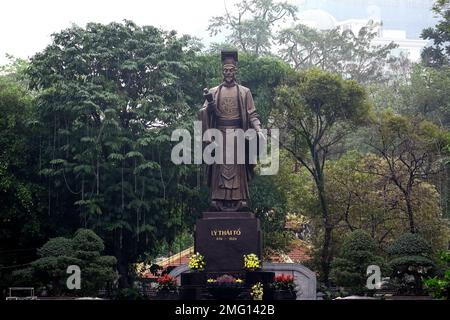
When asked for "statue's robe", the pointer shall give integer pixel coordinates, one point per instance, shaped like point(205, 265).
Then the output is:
point(229, 182)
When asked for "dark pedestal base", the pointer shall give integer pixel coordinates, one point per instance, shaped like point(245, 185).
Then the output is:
point(167, 295)
point(194, 285)
point(253, 277)
point(284, 295)
point(223, 238)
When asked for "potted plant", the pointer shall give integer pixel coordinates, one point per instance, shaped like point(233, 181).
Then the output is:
point(257, 291)
point(225, 287)
point(254, 274)
point(251, 262)
point(197, 262)
point(284, 287)
point(196, 276)
point(167, 288)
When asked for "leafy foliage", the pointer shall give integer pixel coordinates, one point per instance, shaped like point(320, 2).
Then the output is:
point(358, 251)
point(354, 56)
point(252, 24)
point(410, 262)
point(438, 54)
point(412, 150)
point(314, 111)
point(83, 250)
point(109, 97)
point(440, 285)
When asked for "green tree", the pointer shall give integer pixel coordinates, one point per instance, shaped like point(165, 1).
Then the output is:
point(252, 24)
point(412, 150)
point(438, 54)
point(349, 269)
point(426, 94)
point(440, 285)
point(314, 111)
point(361, 199)
point(109, 98)
point(354, 56)
point(23, 219)
point(410, 262)
point(83, 250)
point(269, 204)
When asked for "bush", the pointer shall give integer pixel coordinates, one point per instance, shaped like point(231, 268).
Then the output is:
point(439, 286)
point(410, 262)
point(59, 246)
point(349, 269)
point(83, 250)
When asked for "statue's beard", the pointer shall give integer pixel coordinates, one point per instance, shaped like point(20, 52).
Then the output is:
point(229, 80)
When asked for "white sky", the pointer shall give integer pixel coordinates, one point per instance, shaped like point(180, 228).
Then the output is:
point(26, 25)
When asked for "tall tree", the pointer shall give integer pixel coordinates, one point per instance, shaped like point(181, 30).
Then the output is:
point(354, 56)
point(438, 54)
point(23, 219)
point(362, 196)
point(110, 95)
point(315, 111)
point(412, 149)
point(252, 24)
point(426, 94)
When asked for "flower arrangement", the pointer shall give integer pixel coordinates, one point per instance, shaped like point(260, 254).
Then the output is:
point(284, 282)
point(225, 287)
point(225, 281)
point(197, 262)
point(251, 262)
point(166, 283)
point(257, 291)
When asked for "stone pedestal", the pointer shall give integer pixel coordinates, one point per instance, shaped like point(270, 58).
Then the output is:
point(223, 238)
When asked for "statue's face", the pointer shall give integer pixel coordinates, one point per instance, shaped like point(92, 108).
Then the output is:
point(229, 73)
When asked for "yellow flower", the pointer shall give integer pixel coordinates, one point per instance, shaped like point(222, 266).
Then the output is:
point(210, 280)
point(238, 280)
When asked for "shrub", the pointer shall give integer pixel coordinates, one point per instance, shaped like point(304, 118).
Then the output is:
point(439, 286)
point(349, 269)
point(410, 262)
point(83, 250)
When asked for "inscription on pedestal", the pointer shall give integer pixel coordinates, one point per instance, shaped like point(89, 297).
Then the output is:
point(224, 239)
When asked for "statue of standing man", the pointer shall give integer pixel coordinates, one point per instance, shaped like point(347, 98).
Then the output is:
point(229, 106)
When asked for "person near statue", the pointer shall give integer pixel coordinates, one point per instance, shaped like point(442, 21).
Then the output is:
point(229, 106)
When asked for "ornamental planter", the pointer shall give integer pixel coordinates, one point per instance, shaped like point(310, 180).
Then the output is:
point(167, 295)
point(225, 292)
point(284, 295)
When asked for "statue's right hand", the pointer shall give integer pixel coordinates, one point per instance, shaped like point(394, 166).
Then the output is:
point(208, 95)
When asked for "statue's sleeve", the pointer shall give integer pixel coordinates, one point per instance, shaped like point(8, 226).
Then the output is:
point(253, 117)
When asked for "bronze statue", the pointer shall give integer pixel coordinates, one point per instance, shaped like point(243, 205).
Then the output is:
point(229, 106)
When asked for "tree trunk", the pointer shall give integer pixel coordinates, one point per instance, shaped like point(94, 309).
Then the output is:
point(325, 257)
point(409, 211)
point(325, 260)
point(122, 261)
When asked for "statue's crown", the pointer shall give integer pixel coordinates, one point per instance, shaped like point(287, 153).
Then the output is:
point(229, 57)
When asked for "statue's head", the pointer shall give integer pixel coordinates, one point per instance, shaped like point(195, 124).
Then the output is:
point(229, 62)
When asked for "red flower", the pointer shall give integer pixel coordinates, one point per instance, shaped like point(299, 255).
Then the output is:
point(166, 282)
point(283, 278)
